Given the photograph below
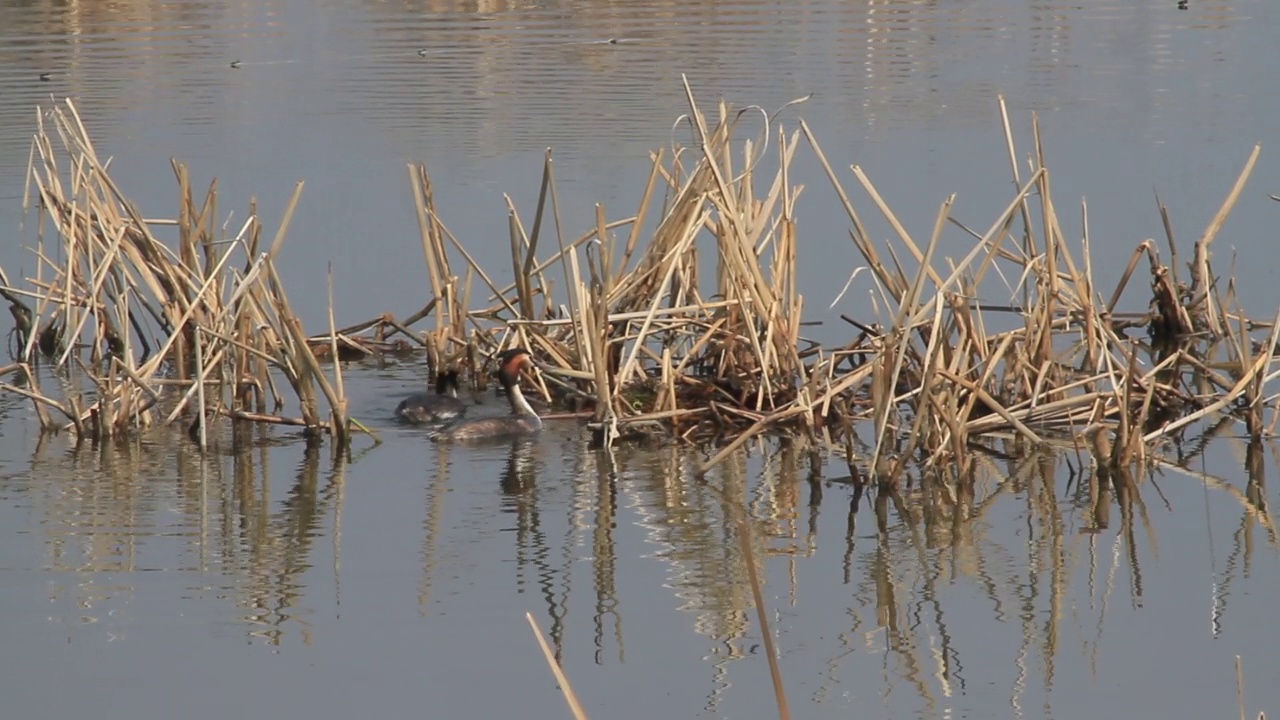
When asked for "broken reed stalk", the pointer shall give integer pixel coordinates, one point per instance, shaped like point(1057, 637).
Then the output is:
point(762, 613)
point(1240, 687)
point(562, 680)
point(201, 413)
point(338, 400)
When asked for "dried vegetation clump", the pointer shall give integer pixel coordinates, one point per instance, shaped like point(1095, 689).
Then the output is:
point(630, 330)
point(141, 333)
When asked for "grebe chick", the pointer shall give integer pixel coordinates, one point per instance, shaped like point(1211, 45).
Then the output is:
point(522, 420)
point(423, 408)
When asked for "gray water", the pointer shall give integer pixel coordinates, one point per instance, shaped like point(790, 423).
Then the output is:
point(141, 580)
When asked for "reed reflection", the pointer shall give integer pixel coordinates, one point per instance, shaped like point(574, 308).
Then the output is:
point(689, 522)
point(535, 561)
point(1254, 520)
point(433, 529)
point(276, 556)
point(273, 551)
point(129, 505)
point(929, 536)
point(1049, 563)
point(604, 554)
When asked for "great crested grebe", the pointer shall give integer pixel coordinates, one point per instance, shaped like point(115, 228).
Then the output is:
point(522, 420)
point(423, 408)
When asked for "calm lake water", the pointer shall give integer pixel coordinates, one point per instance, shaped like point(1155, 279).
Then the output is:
point(144, 581)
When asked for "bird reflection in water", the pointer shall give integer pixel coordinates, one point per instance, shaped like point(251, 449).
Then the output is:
point(533, 550)
point(521, 471)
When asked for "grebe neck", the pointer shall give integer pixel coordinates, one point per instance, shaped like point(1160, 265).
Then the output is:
point(520, 405)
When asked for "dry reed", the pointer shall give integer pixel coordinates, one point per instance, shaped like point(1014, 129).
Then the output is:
point(645, 340)
point(631, 327)
point(140, 332)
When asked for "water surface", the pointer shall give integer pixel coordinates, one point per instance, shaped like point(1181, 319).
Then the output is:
point(142, 580)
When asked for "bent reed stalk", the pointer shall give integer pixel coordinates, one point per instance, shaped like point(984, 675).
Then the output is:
point(632, 330)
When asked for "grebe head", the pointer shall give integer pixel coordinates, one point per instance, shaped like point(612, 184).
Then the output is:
point(523, 420)
point(510, 363)
point(447, 383)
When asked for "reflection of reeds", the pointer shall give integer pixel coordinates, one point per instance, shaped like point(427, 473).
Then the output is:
point(110, 513)
point(746, 543)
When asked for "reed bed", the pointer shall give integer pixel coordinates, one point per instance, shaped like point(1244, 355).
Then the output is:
point(631, 333)
point(140, 332)
point(641, 339)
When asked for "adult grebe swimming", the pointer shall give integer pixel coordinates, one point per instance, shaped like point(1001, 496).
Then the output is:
point(423, 408)
point(522, 420)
